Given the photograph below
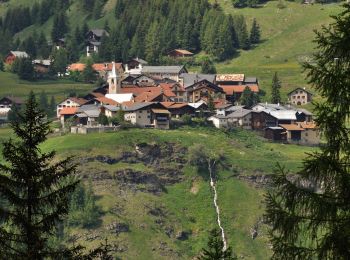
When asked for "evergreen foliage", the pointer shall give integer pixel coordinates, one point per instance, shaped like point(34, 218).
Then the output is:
point(25, 69)
point(309, 211)
point(275, 89)
point(83, 209)
point(255, 33)
point(214, 250)
point(36, 188)
point(249, 98)
point(88, 72)
point(208, 67)
point(59, 61)
point(211, 105)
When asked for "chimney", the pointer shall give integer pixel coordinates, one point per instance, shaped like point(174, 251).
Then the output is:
point(278, 104)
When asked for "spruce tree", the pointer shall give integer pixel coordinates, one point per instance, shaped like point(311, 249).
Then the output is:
point(255, 33)
point(35, 186)
point(275, 89)
point(309, 211)
point(214, 250)
point(208, 67)
point(88, 72)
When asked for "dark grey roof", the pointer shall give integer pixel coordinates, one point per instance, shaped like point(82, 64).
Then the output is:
point(300, 89)
point(99, 32)
point(302, 110)
point(162, 69)
point(250, 80)
point(95, 43)
point(89, 110)
point(138, 106)
point(112, 108)
point(239, 113)
point(140, 61)
point(191, 78)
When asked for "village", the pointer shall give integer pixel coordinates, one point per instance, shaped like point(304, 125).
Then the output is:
point(157, 96)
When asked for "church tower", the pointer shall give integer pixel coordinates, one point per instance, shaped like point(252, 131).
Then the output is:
point(114, 81)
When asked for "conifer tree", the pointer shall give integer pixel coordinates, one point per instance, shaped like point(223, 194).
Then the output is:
point(26, 69)
point(275, 89)
point(208, 67)
point(214, 250)
point(211, 105)
point(88, 72)
point(249, 98)
point(36, 188)
point(255, 32)
point(309, 211)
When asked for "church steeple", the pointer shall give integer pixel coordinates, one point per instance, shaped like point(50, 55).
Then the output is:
point(114, 81)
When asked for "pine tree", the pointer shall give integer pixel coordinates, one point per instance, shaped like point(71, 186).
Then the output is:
point(249, 98)
point(60, 61)
point(208, 67)
point(35, 186)
point(88, 72)
point(309, 211)
point(214, 250)
point(275, 89)
point(26, 69)
point(255, 32)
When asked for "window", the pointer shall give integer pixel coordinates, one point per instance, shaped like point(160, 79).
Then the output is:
point(298, 96)
point(303, 97)
point(68, 102)
point(294, 97)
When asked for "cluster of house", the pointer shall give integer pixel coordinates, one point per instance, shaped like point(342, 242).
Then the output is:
point(151, 96)
point(277, 122)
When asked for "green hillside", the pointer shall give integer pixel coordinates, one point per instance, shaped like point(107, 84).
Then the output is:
point(160, 197)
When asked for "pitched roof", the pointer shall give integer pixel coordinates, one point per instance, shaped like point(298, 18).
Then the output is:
point(291, 127)
point(80, 101)
point(303, 89)
point(250, 80)
point(99, 32)
point(106, 101)
point(239, 113)
point(231, 89)
point(205, 83)
point(184, 52)
point(68, 111)
point(106, 66)
point(112, 108)
point(15, 100)
point(137, 59)
point(174, 105)
point(230, 77)
point(42, 62)
point(89, 110)
point(191, 78)
point(162, 69)
point(308, 125)
point(148, 96)
point(283, 114)
point(19, 54)
point(76, 67)
point(138, 105)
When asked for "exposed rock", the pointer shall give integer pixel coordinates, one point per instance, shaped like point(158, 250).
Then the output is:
point(182, 235)
point(118, 227)
point(259, 181)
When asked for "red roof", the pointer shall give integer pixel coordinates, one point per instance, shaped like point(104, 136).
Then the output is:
point(80, 101)
point(230, 89)
point(106, 101)
point(76, 67)
point(68, 111)
point(148, 96)
point(170, 105)
point(184, 52)
point(139, 90)
point(97, 66)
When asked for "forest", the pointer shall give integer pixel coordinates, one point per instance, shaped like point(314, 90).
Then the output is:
point(148, 32)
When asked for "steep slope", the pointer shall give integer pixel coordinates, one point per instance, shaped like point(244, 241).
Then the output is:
point(154, 205)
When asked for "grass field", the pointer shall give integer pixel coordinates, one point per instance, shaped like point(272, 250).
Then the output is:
point(11, 85)
point(188, 204)
point(189, 210)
